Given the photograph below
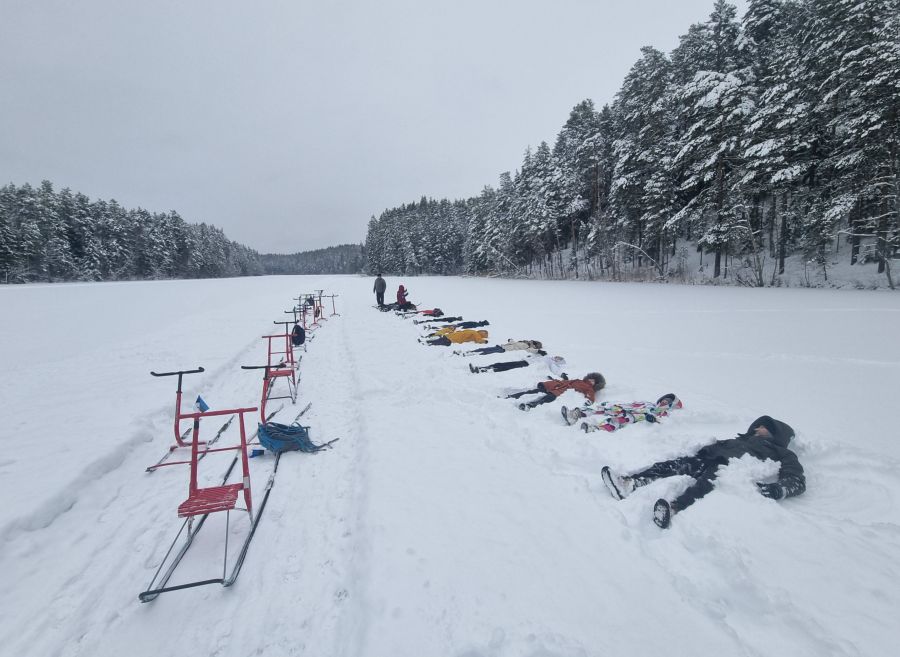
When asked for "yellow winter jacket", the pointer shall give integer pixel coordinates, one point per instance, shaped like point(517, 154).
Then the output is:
point(447, 330)
point(468, 335)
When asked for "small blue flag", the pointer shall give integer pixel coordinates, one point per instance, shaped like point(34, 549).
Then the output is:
point(201, 405)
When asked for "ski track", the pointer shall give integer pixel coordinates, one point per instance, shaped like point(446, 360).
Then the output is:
point(445, 521)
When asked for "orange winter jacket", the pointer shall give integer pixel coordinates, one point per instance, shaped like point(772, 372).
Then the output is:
point(556, 388)
point(468, 335)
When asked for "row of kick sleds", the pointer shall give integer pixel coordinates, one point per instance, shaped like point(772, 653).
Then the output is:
point(205, 504)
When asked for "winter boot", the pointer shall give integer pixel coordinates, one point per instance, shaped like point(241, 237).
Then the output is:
point(473, 369)
point(662, 513)
point(524, 407)
point(619, 487)
point(571, 415)
point(587, 428)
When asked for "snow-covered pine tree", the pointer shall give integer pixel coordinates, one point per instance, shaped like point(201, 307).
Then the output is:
point(642, 189)
point(714, 107)
point(862, 101)
point(775, 133)
point(576, 157)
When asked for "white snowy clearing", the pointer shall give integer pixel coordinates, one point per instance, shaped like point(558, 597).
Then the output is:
point(445, 521)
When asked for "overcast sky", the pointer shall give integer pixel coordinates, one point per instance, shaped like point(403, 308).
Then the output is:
point(288, 123)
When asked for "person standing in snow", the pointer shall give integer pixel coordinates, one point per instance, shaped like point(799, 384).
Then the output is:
point(591, 384)
point(379, 288)
point(554, 364)
point(766, 438)
point(612, 416)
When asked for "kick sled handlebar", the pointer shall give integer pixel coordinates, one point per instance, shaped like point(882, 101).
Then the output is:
point(179, 372)
point(179, 416)
point(260, 367)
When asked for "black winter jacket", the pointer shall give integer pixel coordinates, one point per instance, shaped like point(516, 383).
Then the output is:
point(790, 476)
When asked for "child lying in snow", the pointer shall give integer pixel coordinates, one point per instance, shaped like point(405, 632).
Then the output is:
point(610, 416)
point(531, 346)
point(766, 438)
point(555, 364)
point(450, 328)
point(588, 386)
point(458, 337)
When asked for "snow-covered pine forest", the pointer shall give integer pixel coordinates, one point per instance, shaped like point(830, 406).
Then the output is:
point(340, 259)
point(47, 235)
point(756, 140)
point(51, 236)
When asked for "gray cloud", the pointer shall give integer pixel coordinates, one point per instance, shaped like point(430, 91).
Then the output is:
point(289, 123)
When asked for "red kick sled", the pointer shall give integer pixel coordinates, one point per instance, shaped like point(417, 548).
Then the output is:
point(203, 501)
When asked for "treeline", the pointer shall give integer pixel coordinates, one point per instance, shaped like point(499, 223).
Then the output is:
point(752, 141)
point(425, 237)
point(64, 236)
point(341, 259)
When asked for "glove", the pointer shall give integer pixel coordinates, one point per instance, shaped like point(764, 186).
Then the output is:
point(772, 491)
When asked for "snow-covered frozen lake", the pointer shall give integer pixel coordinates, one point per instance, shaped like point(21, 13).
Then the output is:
point(445, 521)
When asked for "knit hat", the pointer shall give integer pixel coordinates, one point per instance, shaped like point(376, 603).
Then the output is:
point(599, 381)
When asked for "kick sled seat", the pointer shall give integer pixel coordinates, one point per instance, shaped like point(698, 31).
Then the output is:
point(210, 500)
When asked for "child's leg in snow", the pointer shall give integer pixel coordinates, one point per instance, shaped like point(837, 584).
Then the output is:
point(516, 395)
point(487, 350)
point(546, 399)
point(609, 422)
point(693, 466)
point(502, 367)
point(701, 487)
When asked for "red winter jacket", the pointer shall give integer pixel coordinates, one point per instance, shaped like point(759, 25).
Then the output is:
point(401, 295)
point(556, 388)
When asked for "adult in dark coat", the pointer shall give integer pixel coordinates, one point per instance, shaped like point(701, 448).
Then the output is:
point(766, 438)
point(380, 287)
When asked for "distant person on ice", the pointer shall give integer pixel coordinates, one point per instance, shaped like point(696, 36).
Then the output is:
point(402, 303)
point(766, 438)
point(591, 384)
point(378, 289)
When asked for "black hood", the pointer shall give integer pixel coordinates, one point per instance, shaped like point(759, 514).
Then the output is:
point(781, 431)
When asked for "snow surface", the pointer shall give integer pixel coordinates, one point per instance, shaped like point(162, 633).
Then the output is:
point(445, 521)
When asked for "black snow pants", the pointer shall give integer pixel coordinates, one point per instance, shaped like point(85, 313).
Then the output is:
point(502, 367)
point(702, 470)
point(546, 398)
point(379, 298)
point(483, 351)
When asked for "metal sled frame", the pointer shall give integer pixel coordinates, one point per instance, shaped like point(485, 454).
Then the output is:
point(181, 439)
point(270, 374)
point(202, 502)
